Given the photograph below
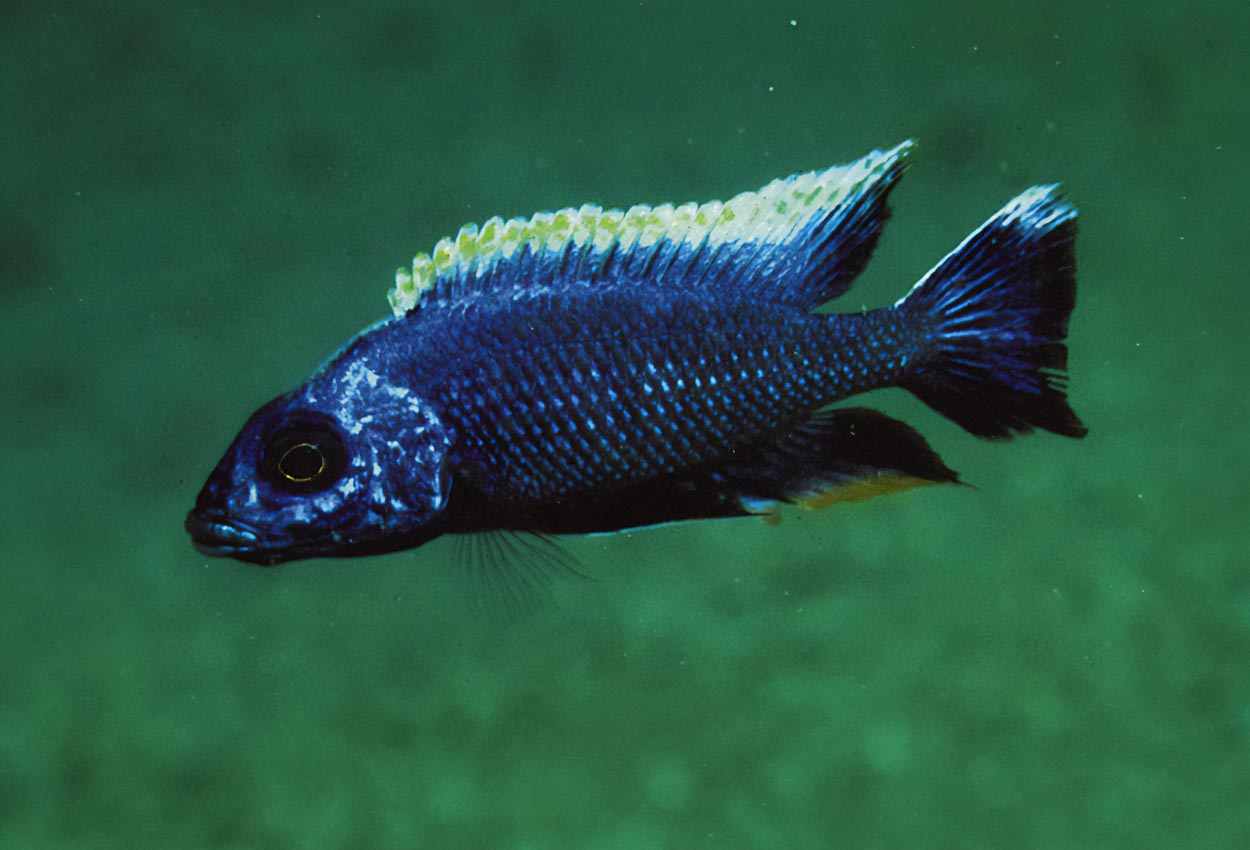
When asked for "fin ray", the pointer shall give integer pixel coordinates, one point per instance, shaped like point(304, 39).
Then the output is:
point(800, 239)
point(995, 311)
point(839, 455)
point(513, 572)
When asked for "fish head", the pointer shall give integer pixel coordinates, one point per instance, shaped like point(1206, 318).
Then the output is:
point(348, 464)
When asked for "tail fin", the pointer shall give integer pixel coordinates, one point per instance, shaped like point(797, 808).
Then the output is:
point(995, 316)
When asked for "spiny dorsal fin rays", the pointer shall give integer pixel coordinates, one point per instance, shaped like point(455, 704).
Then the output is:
point(784, 240)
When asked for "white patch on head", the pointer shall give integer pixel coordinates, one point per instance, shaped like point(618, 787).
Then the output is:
point(350, 391)
point(389, 425)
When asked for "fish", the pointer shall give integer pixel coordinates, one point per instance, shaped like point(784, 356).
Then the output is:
point(590, 371)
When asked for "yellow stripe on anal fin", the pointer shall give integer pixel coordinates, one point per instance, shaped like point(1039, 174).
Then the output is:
point(864, 488)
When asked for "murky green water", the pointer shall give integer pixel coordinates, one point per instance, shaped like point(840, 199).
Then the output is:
point(201, 201)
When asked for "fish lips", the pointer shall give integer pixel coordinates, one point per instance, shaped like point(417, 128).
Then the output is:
point(218, 536)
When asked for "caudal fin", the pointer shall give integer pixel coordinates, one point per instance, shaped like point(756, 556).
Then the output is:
point(995, 316)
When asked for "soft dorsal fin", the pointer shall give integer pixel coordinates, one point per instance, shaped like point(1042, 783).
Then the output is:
point(801, 239)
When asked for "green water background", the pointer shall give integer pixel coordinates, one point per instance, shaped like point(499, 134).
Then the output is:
point(201, 201)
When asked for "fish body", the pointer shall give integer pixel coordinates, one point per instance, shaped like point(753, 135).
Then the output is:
point(591, 371)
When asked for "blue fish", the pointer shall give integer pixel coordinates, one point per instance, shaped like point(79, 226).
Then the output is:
point(594, 370)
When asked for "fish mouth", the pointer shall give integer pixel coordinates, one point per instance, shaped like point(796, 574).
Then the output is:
point(219, 537)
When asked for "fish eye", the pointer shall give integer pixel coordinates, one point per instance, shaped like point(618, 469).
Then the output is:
point(304, 459)
point(302, 463)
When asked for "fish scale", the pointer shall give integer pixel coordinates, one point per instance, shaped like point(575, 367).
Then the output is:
point(685, 402)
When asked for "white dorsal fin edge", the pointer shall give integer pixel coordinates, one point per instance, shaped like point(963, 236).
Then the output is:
point(769, 214)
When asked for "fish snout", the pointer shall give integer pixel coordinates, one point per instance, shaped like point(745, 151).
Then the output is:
point(216, 535)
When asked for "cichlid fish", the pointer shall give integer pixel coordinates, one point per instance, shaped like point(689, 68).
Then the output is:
point(594, 370)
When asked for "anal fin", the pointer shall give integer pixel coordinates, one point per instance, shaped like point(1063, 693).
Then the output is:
point(837, 456)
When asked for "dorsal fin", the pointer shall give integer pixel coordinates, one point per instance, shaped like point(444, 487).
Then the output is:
point(801, 239)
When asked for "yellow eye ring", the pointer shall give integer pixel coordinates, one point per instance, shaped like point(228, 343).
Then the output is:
point(302, 463)
point(304, 457)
